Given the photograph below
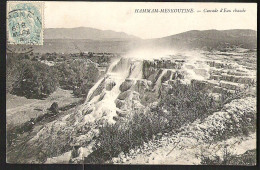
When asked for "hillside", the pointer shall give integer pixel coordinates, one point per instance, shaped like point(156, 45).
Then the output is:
point(82, 45)
point(210, 39)
point(85, 33)
point(75, 40)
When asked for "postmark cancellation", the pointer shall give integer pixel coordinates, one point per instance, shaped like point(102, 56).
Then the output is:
point(25, 21)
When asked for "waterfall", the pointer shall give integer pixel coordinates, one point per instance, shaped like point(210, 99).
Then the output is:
point(101, 101)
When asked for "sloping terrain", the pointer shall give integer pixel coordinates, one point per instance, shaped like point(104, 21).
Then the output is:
point(84, 33)
point(210, 39)
point(198, 139)
point(20, 109)
point(137, 83)
point(76, 40)
point(82, 45)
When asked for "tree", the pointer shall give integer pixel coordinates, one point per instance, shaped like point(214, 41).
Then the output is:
point(78, 75)
point(36, 80)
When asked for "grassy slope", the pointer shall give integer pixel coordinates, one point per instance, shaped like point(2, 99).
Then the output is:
point(20, 109)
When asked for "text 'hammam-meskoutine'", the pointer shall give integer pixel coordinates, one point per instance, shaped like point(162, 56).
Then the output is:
point(190, 10)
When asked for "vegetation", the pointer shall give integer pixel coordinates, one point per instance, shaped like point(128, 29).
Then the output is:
point(182, 104)
point(77, 75)
point(31, 79)
point(117, 138)
point(54, 108)
point(248, 158)
point(34, 79)
point(186, 103)
point(12, 72)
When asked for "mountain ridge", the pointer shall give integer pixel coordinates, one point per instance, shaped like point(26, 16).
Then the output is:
point(98, 34)
point(229, 32)
point(57, 41)
point(210, 39)
point(85, 33)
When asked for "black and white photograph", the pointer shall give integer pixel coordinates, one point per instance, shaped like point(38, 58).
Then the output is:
point(140, 83)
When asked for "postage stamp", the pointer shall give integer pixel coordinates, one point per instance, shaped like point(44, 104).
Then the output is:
point(25, 23)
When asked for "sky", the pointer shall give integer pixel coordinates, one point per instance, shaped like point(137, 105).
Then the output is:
point(121, 17)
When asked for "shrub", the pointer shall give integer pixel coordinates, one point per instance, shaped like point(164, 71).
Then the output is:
point(12, 71)
point(54, 107)
point(248, 158)
point(186, 103)
point(121, 137)
point(32, 79)
point(77, 75)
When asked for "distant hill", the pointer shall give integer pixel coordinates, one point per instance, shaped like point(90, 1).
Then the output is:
point(240, 32)
point(78, 45)
point(209, 39)
point(73, 40)
point(85, 33)
point(215, 34)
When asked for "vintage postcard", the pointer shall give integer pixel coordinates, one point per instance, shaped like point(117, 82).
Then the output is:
point(131, 83)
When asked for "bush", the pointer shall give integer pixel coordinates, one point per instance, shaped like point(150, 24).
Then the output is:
point(78, 76)
point(34, 79)
point(248, 158)
point(121, 137)
point(12, 71)
point(54, 107)
point(186, 103)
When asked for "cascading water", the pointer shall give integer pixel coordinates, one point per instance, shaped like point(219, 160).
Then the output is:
point(102, 97)
point(195, 67)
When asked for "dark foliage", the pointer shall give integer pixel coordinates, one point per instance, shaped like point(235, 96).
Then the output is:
point(186, 103)
point(34, 79)
point(118, 138)
point(77, 75)
point(31, 79)
point(54, 107)
point(12, 71)
point(248, 158)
